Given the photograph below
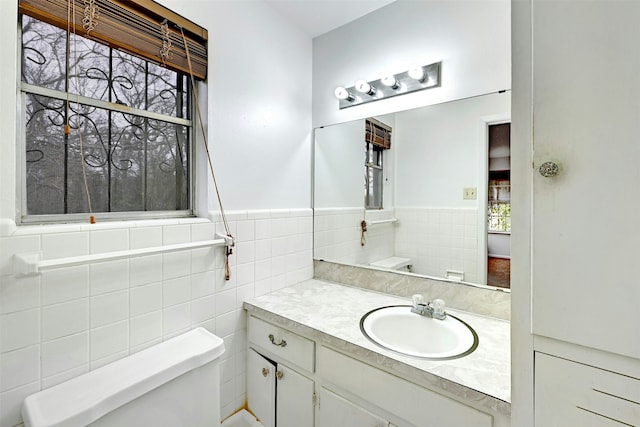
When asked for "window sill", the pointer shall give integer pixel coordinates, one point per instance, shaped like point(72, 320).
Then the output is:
point(508, 233)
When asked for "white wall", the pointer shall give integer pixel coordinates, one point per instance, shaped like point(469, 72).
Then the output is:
point(259, 101)
point(61, 324)
point(339, 165)
point(471, 38)
point(440, 150)
point(339, 171)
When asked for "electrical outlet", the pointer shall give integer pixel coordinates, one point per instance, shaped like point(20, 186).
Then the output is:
point(470, 193)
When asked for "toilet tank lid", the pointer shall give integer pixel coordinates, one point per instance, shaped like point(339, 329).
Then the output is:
point(392, 262)
point(84, 399)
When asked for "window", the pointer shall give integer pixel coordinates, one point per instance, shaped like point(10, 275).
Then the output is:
point(499, 205)
point(373, 191)
point(136, 161)
point(104, 130)
point(377, 139)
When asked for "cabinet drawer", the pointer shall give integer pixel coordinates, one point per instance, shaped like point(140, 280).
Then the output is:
point(417, 405)
point(570, 393)
point(281, 342)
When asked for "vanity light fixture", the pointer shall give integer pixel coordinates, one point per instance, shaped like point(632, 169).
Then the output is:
point(416, 72)
point(364, 87)
point(343, 94)
point(390, 81)
point(414, 79)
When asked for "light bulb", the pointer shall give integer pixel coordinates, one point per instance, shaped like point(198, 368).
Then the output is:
point(417, 72)
point(343, 94)
point(390, 81)
point(364, 87)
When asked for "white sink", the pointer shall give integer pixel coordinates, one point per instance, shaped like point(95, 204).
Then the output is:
point(397, 329)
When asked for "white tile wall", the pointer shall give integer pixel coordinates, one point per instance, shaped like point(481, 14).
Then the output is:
point(109, 276)
point(65, 353)
point(109, 241)
point(65, 284)
point(60, 245)
point(63, 319)
point(439, 239)
point(27, 361)
point(435, 239)
point(64, 322)
point(338, 233)
point(145, 270)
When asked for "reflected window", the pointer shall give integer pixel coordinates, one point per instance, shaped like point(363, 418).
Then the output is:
point(499, 201)
point(377, 140)
point(104, 131)
point(499, 205)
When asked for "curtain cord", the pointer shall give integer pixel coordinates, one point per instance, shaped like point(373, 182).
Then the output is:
point(228, 248)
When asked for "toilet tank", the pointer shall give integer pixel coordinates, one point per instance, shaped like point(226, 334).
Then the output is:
point(172, 384)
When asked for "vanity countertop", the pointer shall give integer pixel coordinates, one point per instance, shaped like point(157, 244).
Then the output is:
point(331, 314)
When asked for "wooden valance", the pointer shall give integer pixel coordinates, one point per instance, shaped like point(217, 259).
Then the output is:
point(133, 26)
point(377, 133)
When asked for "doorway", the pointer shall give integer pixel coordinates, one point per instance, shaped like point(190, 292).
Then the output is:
point(499, 206)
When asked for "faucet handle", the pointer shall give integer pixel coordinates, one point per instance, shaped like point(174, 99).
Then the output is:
point(417, 299)
point(438, 308)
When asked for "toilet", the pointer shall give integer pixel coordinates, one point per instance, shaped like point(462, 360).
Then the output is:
point(174, 383)
point(393, 263)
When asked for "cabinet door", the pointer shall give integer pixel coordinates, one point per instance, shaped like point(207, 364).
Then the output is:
point(294, 400)
point(337, 411)
point(586, 232)
point(261, 388)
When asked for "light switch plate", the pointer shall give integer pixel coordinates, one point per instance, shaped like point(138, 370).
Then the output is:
point(470, 193)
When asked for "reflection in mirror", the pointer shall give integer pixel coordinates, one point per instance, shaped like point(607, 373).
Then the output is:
point(434, 191)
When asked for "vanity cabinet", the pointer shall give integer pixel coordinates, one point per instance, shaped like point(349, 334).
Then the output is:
point(293, 380)
point(278, 394)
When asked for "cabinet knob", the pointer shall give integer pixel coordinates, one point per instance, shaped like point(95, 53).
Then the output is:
point(279, 375)
point(265, 372)
point(282, 342)
point(548, 169)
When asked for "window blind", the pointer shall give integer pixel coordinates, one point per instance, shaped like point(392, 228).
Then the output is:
point(133, 26)
point(377, 133)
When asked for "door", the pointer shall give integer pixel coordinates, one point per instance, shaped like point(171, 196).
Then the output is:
point(295, 399)
point(337, 411)
point(586, 232)
point(499, 206)
point(261, 387)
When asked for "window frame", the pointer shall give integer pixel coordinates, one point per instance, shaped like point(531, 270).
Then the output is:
point(23, 89)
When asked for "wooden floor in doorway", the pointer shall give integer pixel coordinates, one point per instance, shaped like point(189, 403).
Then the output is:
point(499, 272)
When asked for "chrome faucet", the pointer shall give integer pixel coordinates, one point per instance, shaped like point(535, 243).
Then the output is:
point(434, 309)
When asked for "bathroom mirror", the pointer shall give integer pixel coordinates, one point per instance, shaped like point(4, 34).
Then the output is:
point(443, 186)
